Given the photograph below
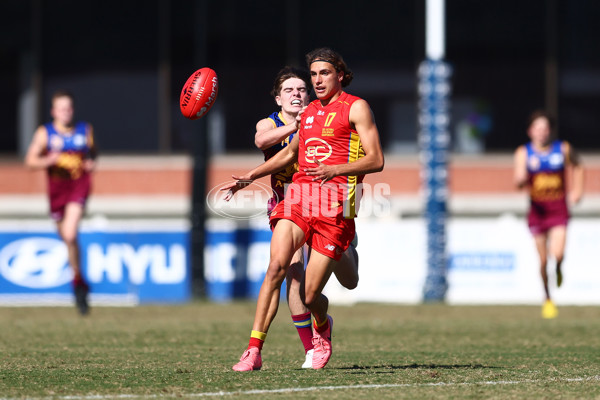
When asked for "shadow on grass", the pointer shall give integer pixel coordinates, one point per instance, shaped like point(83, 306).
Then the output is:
point(417, 366)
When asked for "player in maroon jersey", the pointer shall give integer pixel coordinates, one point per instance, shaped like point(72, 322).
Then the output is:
point(338, 143)
point(540, 165)
point(66, 150)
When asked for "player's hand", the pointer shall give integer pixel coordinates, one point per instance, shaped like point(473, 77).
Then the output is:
point(574, 197)
point(89, 165)
point(52, 158)
point(299, 117)
point(321, 172)
point(232, 187)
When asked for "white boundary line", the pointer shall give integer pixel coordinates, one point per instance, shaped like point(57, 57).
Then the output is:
point(305, 389)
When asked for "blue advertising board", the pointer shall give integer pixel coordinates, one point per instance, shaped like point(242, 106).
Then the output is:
point(235, 260)
point(121, 266)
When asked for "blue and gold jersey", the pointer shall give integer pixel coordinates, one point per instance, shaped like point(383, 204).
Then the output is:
point(73, 149)
point(546, 172)
point(280, 179)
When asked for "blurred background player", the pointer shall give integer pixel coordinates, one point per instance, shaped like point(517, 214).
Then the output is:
point(319, 207)
point(66, 150)
point(291, 93)
point(541, 165)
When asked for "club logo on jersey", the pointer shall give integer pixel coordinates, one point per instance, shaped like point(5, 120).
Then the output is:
point(79, 141)
point(556, 160)
point(534, 163)
point(56, 143)
point(317, 149)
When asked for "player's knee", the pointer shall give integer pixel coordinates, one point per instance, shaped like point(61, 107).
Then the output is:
point(558, 256)
point(70, 239)
point(275, 272)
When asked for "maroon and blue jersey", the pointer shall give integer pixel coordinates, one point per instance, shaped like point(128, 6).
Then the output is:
point(280, 179)
point(68, 181)
point(74, 148)
point(546, 176)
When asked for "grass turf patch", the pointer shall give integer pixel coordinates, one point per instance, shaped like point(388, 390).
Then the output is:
point(388, 351)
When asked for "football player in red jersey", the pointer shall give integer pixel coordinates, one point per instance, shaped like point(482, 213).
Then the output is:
point(337, 143)
point(274, 133)
point(66, 150)
point(540, 165)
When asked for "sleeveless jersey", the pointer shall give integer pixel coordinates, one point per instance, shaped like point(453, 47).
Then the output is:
point(73, 149)
point(546, 172)
point(326, 136)
point(280, 179)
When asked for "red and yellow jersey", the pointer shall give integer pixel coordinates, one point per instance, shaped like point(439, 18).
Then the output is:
point(73, 149)
point(327, 136)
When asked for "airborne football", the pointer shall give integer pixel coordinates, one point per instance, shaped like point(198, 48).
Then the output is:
point(199, 93)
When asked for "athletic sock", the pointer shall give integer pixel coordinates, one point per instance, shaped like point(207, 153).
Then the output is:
point(302, 324)
point(322, 327)
point(257, 339)
point(79, 281)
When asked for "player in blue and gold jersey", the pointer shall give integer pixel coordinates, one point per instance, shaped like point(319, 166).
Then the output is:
point(541, 166)
point(66, 150)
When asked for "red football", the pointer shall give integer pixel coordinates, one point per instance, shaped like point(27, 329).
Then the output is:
point(199, 93)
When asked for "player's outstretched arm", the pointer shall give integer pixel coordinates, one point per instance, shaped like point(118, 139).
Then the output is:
point(520, 167)
point(284, 158)
point(361, 118)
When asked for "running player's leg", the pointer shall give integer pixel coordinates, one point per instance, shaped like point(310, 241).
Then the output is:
point(557, 237)
point(287, 238)
point(318, 271)
point(294, 277)
point(301, 316)
point(549, 310)
point(317, 274)
point(541, 240)
point(68, 228)
point(346, 269)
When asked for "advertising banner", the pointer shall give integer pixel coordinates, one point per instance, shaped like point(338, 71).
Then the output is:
point(123, 265)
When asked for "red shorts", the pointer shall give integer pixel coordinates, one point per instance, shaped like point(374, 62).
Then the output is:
point(64, 191)
point(330, 236)
point(542, 216)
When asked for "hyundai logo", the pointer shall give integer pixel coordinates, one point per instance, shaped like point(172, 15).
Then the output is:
point(36, 263)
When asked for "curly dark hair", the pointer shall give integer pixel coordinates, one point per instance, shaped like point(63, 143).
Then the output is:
point(334, 58)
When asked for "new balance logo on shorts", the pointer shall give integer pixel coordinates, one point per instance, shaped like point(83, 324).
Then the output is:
point(330, 247)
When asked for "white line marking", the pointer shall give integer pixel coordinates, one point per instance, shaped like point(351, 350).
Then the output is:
point(306, 389)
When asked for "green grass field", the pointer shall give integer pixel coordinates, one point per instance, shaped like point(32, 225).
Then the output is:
point(380, 351)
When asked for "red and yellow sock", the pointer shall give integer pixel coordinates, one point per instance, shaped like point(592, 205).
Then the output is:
point(322, 327)
point(257, 339)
